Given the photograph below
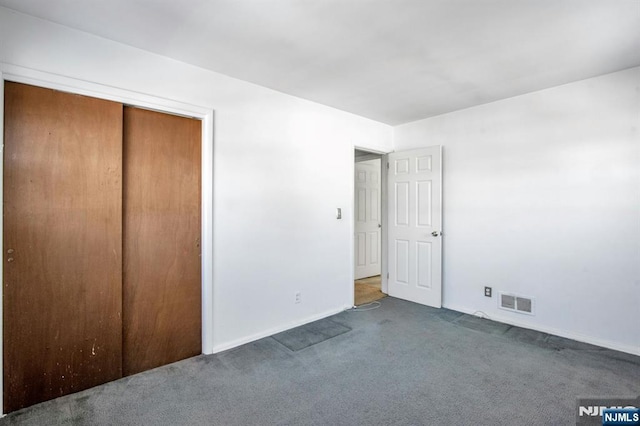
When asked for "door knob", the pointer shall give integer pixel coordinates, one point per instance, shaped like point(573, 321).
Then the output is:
point(436, 233)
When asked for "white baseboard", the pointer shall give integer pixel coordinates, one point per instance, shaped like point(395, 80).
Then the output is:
point(557, 332)
point(270, 332)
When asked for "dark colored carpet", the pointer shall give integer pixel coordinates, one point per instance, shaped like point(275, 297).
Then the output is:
point(401, 364)
point(310, 334)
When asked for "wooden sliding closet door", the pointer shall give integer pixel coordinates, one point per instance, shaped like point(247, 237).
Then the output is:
point(62, 244)
point(161, 246)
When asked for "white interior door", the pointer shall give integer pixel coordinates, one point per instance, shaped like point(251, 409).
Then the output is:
point(415, 225)
point(367, 219)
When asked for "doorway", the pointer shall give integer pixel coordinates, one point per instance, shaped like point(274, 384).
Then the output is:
point(368, 226)
point(410, 225)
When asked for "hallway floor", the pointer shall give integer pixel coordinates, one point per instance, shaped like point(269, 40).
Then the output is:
point(368, 290)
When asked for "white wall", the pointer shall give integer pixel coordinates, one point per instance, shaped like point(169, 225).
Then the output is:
point(281, 167)
point(542, 197)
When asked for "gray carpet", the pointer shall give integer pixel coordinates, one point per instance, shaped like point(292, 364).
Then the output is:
point(310, 334)
point(401, 364)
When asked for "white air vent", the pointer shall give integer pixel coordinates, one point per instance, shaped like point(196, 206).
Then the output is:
point(516, 303)
point(507, 301)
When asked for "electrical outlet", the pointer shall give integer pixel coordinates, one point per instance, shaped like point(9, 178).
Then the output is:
point(298, 297)
point(487, 291)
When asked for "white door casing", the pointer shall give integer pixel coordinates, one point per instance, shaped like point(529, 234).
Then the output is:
point(367, 219)
point(415, 225)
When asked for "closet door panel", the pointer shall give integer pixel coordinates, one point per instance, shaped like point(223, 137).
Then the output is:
point(162, 285)
point(62, 252)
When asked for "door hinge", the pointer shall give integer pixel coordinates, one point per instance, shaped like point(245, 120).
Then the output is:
point(387, 165)
point(387, 275)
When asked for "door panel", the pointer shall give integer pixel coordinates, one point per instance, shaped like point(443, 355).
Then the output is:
point(367, 219)
point(415, 209)
point(401, 208)
point(62, 296)
point(161, 250)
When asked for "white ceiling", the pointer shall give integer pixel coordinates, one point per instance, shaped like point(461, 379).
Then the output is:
point(394, 61)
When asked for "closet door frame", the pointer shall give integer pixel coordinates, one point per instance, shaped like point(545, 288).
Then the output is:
point(206, 115)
